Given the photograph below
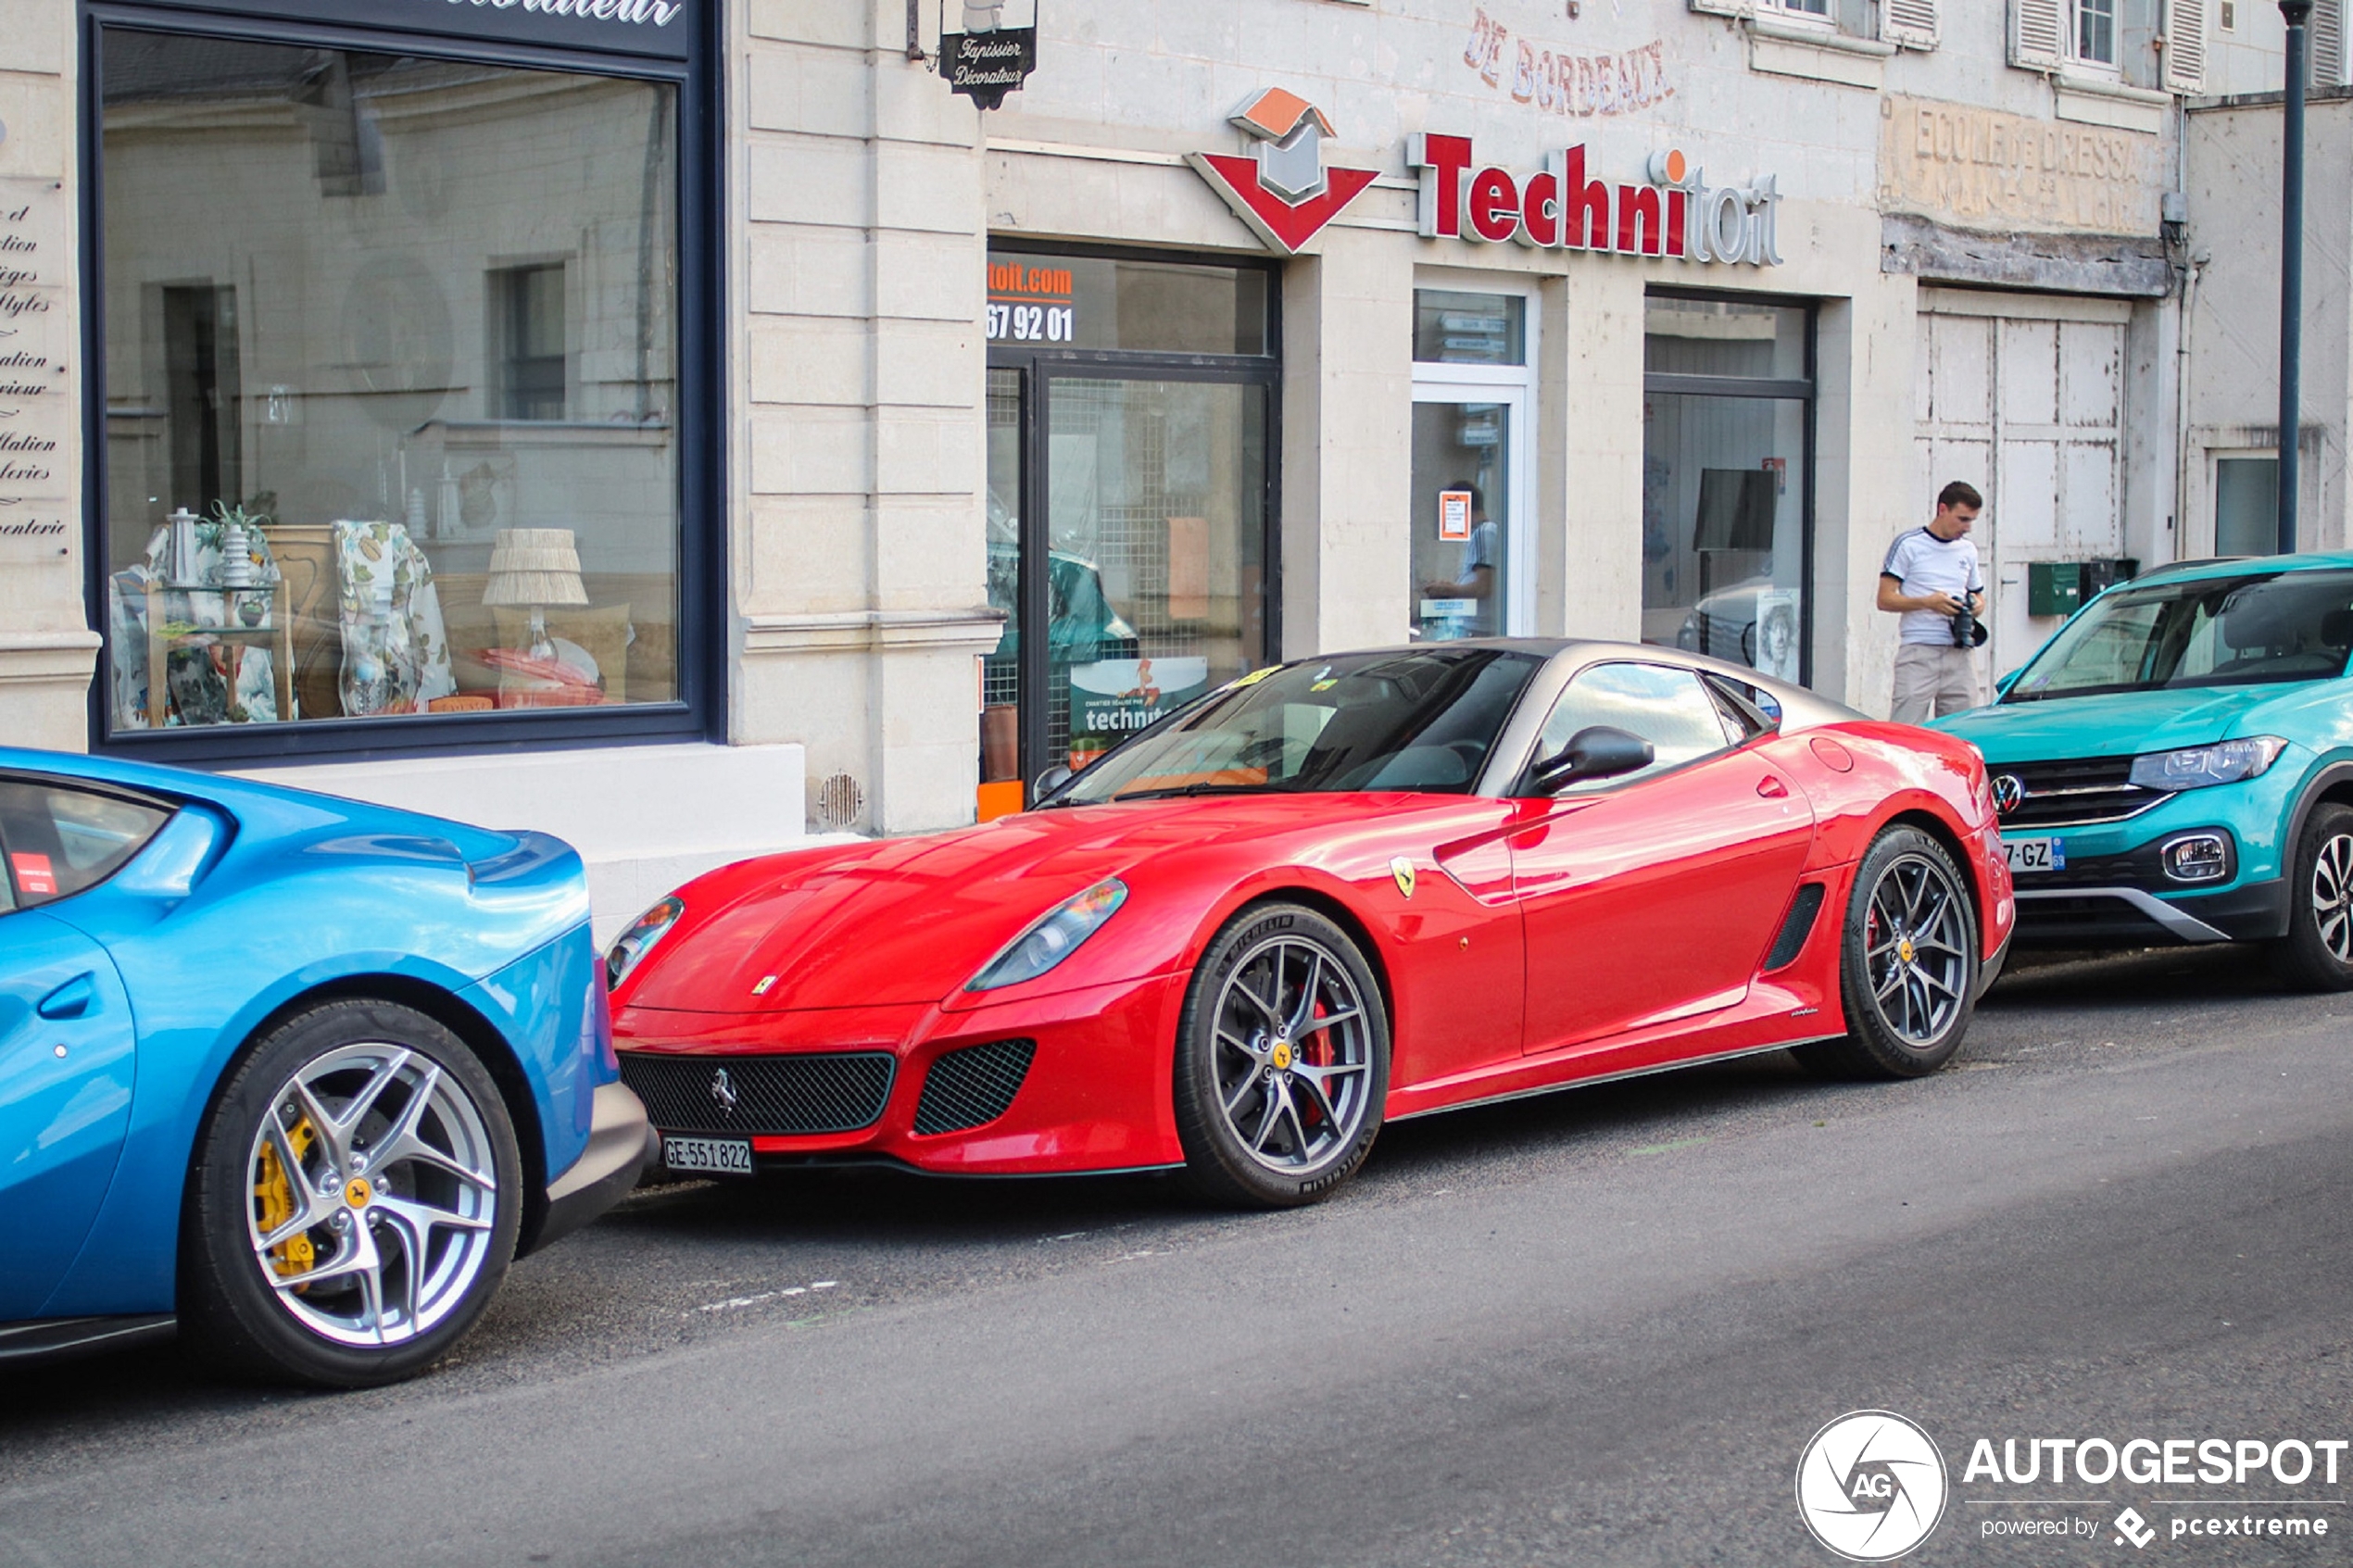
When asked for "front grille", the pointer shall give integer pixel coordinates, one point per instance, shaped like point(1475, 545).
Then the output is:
point(827, 1092)
point(977, 1083)
point(2088, 789)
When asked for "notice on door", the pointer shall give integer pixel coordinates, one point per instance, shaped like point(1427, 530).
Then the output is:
point(1454, 516)
point(36, 400)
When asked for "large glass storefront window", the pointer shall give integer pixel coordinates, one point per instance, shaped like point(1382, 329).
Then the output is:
point(1130, 453)
point(1727, 517)
point(392, 386)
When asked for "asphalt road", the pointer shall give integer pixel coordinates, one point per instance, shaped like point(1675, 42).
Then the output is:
point(1591, 1328)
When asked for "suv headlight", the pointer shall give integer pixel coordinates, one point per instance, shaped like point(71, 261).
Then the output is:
point(629, 949)
point(1054, 938)
point(2199, 766)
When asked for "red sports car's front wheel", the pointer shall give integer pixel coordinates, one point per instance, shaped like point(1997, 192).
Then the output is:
point(1282, 1059)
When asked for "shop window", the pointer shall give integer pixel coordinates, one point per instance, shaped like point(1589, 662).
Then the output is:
point(1130, 455)
point(530, 305)
point(329, 495)
point(1727, 510)
point(2247, 506)
point(1074, 302)
point(1452, 328)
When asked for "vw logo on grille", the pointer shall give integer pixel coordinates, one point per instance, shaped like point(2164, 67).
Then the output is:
point(2009, 791)
point(723, 1092)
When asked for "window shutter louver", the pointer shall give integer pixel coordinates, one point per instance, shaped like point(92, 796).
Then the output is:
point(2186, 47)
point(2328, 43)
point(1725, 7)
point(1912, 23)
point(2038, 34)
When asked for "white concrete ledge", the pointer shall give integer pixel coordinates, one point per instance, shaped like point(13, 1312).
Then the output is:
point(2095, 100)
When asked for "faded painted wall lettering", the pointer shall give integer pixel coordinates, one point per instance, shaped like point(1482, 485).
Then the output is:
point(1986, 169)
point(1561, 82)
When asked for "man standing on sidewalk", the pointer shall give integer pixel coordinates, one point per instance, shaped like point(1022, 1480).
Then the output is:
point(1930, 577)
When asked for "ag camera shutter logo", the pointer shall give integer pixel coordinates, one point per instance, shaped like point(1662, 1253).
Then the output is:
point(1871, 1486)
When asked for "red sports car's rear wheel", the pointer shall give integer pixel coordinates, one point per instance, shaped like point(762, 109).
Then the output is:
point(1282, 1059)
point(1909, 964)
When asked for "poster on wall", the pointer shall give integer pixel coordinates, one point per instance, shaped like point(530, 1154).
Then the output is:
point(1112, 698)
point(1777, 633)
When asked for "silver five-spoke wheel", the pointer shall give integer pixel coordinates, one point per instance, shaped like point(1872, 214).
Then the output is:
point(1914, 942)
point(374, 1189)
point(356, 1196)
point(1282, 1058)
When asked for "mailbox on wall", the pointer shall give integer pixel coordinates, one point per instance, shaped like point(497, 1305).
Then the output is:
point(2057, 587)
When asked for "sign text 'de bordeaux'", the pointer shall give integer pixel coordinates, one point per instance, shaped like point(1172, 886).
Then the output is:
point(1673, 214)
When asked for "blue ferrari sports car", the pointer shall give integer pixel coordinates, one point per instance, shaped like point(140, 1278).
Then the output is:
point(295, 1075)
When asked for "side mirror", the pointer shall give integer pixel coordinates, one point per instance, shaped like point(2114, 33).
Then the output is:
point(2002, 683)
point(1050, 781)
point(1595, 752)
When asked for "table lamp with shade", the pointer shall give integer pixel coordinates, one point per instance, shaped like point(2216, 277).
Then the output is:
point(534, 568)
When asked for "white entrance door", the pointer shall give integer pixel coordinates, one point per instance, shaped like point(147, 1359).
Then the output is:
point(2024, 398)
point(1472, 559)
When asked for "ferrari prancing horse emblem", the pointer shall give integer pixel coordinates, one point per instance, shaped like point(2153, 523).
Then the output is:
point(1403, 870)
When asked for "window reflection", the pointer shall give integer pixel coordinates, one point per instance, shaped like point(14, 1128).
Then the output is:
point(392, 384)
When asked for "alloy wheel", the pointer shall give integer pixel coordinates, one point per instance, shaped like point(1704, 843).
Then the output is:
point(374, 1195)
point(1293, 1055)
point(2332, 896)
point(1914, 948)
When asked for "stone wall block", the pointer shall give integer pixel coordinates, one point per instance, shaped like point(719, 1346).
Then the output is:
point(821, 91)
point(822, 181)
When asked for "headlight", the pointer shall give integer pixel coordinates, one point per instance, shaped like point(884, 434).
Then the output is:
point(631, 947)
point(2197, 766)
point(1052, 939)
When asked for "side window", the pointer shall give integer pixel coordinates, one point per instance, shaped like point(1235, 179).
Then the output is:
point(1666, 707)
point(59, 840)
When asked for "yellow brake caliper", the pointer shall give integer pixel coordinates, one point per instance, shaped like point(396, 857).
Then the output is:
point(274, 1191)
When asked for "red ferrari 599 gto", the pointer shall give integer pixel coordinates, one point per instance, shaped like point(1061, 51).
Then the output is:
point(1331, 894)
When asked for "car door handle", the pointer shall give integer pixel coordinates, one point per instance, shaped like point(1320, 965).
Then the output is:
point(1772, 788)
point(76, 999)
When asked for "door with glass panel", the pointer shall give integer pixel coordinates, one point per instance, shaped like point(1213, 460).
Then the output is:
point(1128, 505)
point(1469, 532)
point(1469, 559)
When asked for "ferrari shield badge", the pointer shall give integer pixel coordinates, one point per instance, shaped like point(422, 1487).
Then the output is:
point(1403, 870)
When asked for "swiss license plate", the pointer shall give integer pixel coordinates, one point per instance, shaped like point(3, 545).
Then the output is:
point(2035, 854)
point(717, 1156)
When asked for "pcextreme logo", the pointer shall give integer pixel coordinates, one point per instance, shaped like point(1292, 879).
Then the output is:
point(1871, 1486)
point(1285, 193)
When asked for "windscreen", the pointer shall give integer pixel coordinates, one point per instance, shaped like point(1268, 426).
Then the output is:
point(2211, 632)
point(1422, 721)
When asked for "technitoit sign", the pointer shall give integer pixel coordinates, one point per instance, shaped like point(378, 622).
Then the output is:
point(1674, 214)
point(1285, 191)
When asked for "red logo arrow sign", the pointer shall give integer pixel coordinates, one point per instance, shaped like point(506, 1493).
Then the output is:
point(1284, 226)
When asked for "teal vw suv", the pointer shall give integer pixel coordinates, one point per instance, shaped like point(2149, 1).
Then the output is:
point(2176, 765)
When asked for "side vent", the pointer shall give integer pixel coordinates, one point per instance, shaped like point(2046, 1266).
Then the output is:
point(1796, 928)
point(969, 1087)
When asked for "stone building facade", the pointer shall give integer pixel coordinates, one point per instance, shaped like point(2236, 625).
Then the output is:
point(1243, 330)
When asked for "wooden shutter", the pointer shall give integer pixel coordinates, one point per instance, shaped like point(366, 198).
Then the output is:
point(1915, 24)
point(2185, 45)
point(2038, 34)
point(2328, 43)
point(1725, 7)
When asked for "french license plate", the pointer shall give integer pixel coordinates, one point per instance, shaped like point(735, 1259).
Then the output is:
point(716, 1157)
point(2035, 854)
